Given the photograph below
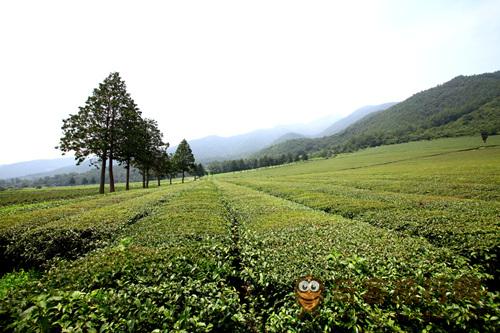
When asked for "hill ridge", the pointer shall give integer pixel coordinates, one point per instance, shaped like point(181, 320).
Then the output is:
point(462, 106)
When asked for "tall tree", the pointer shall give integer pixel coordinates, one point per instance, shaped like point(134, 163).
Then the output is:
point(170, 167)
point(199, 171)
point(159, 166)
point(484, 135)
point(183, 158)
point(84, 133)
point(93, 130)
point(150, 141)
point(116, 102)
point(129, 144)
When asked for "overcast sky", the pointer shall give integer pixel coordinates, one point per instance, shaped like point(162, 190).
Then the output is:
point(228, 67)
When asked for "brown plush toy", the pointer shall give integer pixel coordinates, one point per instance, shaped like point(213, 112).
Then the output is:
point(308, 290)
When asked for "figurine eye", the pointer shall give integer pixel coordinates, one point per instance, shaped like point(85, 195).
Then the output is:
point(303, 285)
point(314, 286)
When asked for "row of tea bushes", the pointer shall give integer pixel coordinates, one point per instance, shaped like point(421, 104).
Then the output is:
point(31, 239)
point(33, 195)
point(38, 214)
point(375, 280)
point(468, 227)
point(170, 271)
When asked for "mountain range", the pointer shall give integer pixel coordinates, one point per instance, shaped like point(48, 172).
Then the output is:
point(465, 105)
point(210, 148)
point(213, 148)
point(36, 166)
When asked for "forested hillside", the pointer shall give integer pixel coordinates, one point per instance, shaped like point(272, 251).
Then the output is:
point(465, 105)
point(360, 113)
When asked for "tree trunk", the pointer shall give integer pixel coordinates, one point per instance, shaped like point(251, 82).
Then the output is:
point(143, 178)
point(183, 176)
point(111, 137)
point(127, 181)
point(103, 174)
point(170, 178)
point(103, 168)
point(111, 178)
point(147, 178)
point(158, 180)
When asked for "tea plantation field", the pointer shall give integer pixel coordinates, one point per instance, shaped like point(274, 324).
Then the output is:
point(405, 238)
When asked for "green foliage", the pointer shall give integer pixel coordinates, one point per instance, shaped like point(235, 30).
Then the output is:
point(129, 128)
point(183, 158)
point(152, 149)
point(68, 231)
point(110, 126)
point(169, 167)
point(15, 280)
point(484, 136)
point(375, 280)
point(92, 130)
point(251, 163)
point(25, 196)
point(199, 170)
point(162, 163)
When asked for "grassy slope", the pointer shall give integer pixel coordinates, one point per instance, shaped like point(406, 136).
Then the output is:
point(376, 155)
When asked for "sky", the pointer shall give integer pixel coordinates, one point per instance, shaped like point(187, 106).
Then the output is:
point(228, 67)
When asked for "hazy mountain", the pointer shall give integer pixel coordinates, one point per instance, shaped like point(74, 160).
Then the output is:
point(83, 167)
point(216, 148)
point(315, 127)
point(36, 166)
point(288, 136)
point(213, 148)
point(464, 105)
point(220, 148)
point(354, 117)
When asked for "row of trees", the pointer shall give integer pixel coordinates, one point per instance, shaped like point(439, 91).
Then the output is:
point(253, 163)
point(110, 126)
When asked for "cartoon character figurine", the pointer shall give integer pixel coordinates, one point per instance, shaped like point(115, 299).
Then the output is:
point(308, 290)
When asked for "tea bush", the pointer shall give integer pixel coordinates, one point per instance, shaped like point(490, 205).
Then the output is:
point(375, 279)
point(71, 230)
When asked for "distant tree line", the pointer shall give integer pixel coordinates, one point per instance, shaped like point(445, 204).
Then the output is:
point(110, 126)
point(84, 178)
point(253, 163)
point(69, 179)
